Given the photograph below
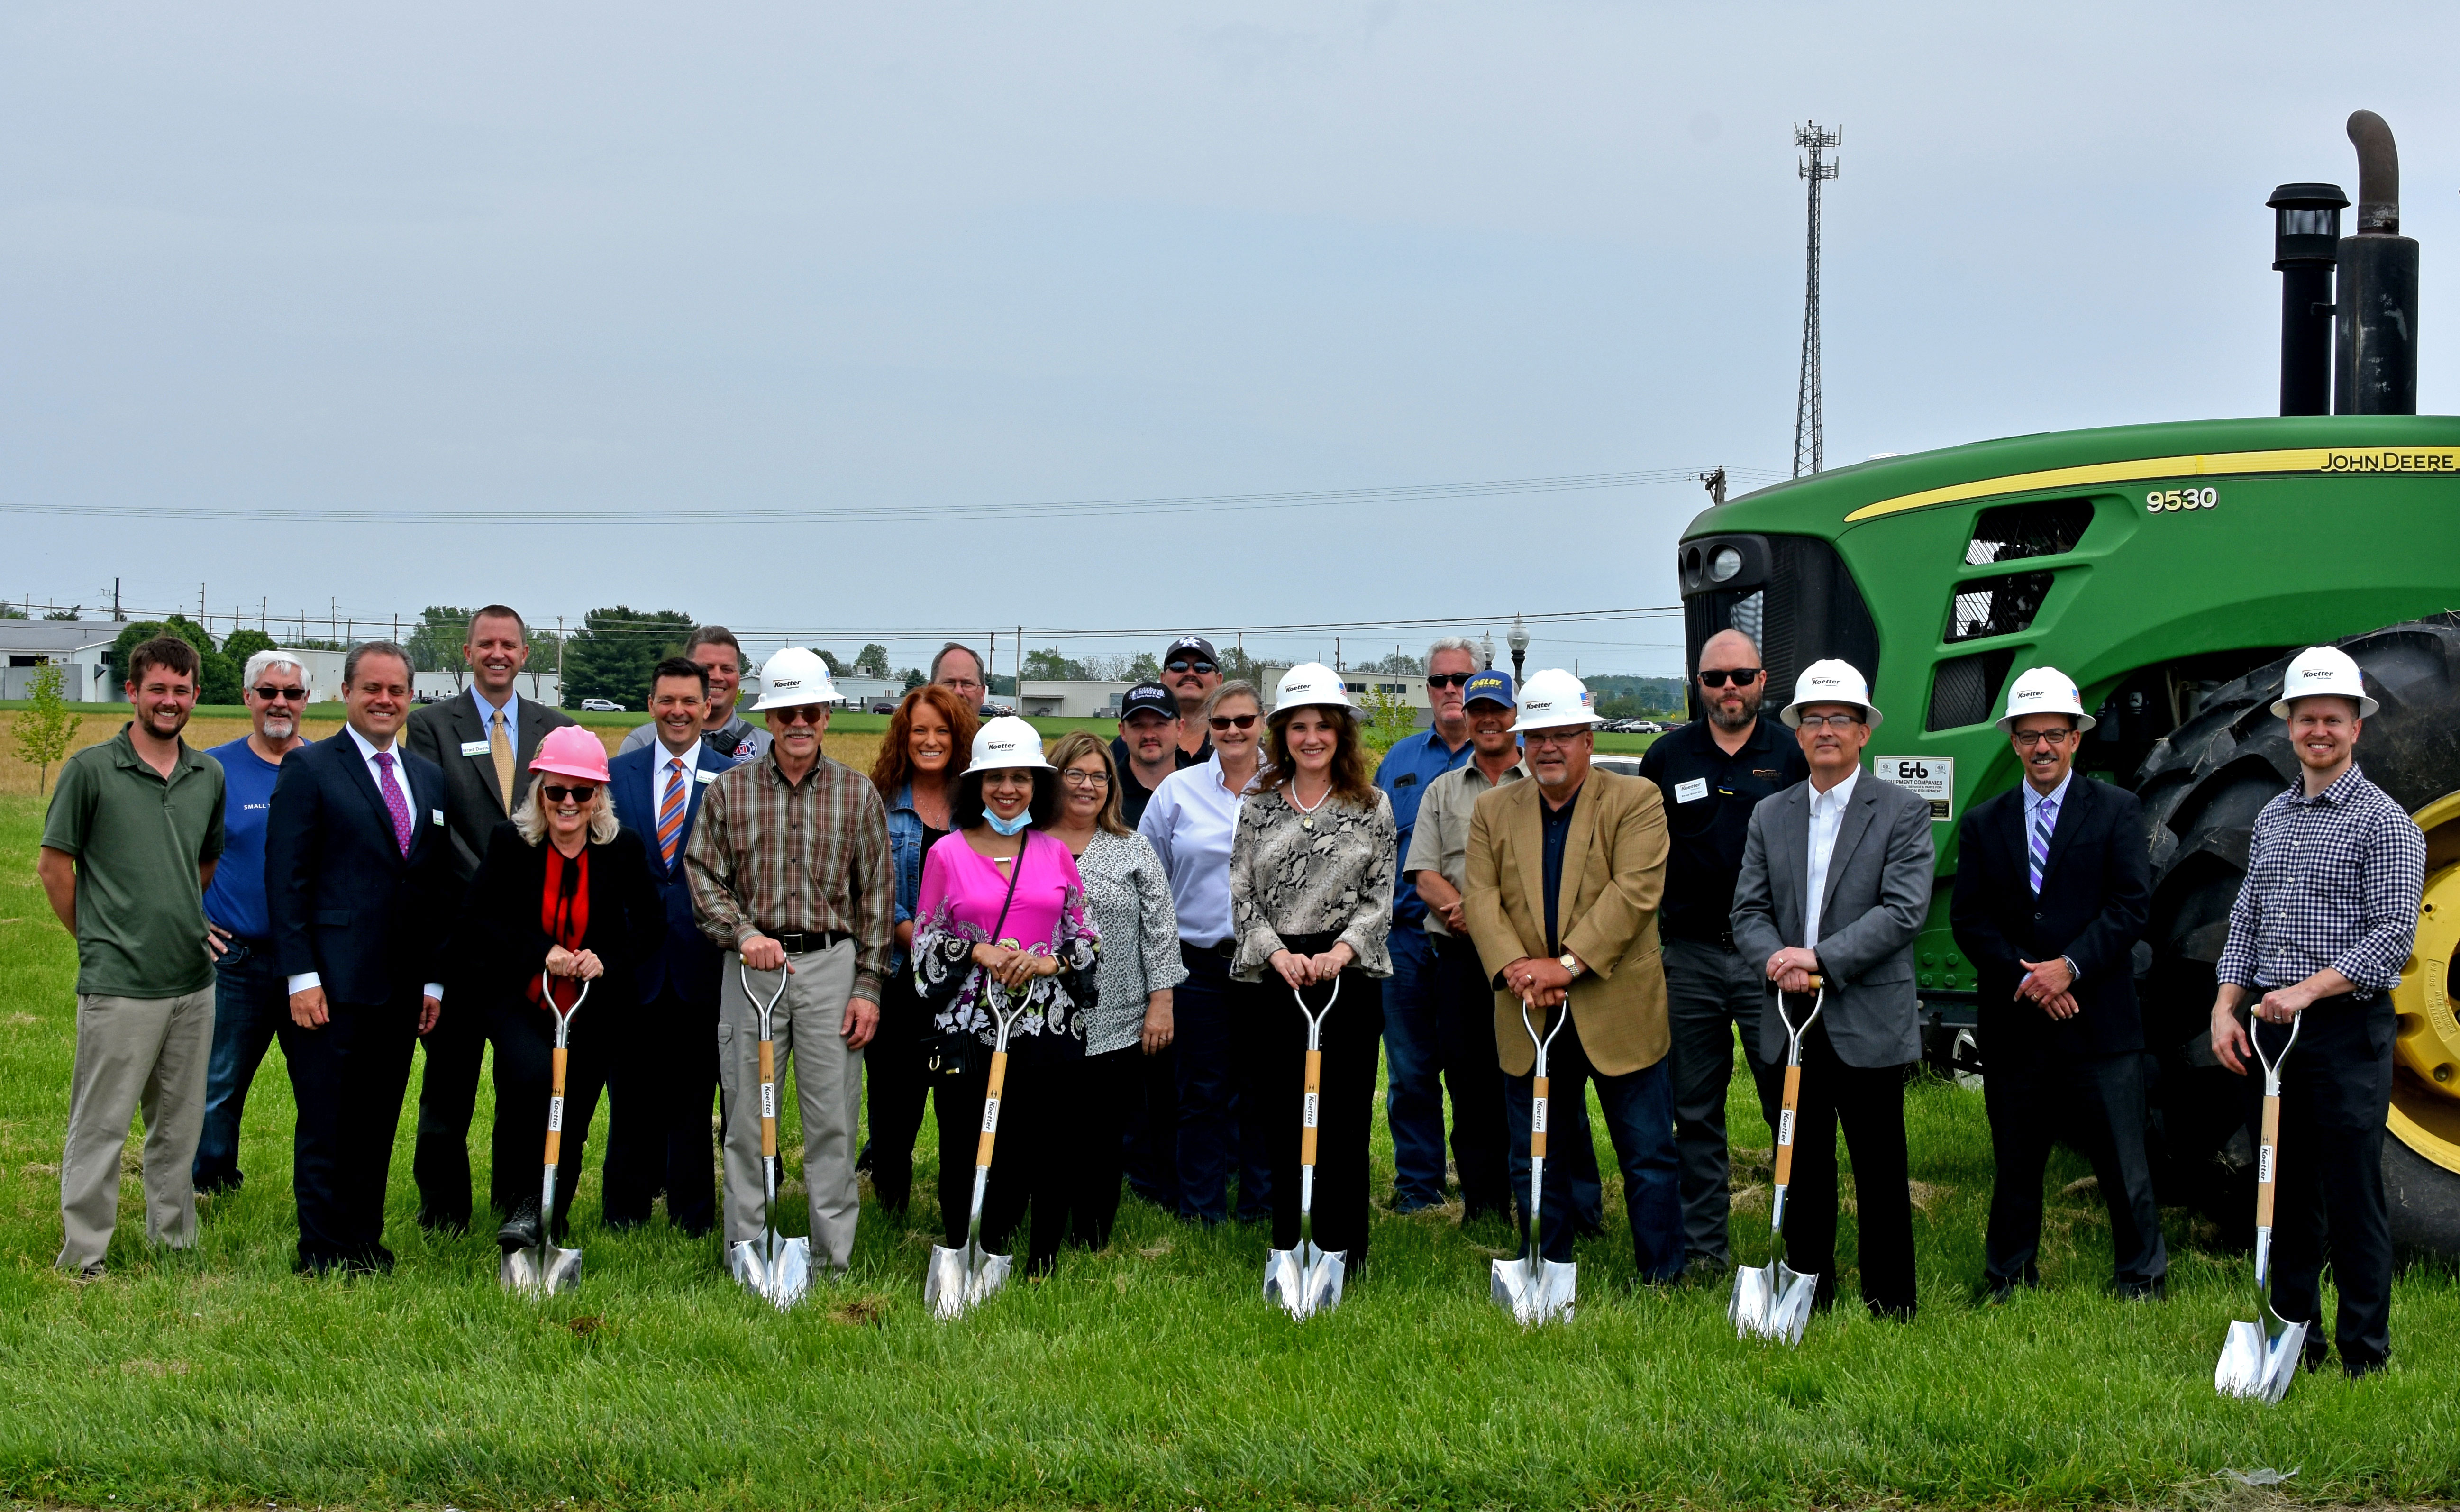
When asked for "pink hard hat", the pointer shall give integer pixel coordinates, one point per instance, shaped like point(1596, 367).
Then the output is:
point(570, 750)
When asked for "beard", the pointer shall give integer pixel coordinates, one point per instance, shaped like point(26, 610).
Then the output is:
point(1733, 720)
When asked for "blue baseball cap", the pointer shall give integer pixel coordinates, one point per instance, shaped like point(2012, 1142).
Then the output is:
point(1490, 686)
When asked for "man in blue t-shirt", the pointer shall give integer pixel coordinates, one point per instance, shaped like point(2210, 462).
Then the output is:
point(251, 1000)
point(1414, 1099)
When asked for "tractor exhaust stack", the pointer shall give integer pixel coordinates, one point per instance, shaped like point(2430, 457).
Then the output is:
point(2375, 317)
point(2305, 249)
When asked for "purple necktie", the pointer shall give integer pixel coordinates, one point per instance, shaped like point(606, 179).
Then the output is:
point(398, 804)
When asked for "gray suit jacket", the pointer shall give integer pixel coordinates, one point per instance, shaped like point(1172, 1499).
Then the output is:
point(1878, 895)
point(471, 805)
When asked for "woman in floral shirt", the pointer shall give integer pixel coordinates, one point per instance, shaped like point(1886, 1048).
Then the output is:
point(1001, 921)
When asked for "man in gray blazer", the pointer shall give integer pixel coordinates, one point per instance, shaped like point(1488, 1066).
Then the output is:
point(1862, 847)
point(484, 739)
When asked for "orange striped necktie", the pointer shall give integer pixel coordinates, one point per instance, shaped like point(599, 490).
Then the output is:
point(670, 811)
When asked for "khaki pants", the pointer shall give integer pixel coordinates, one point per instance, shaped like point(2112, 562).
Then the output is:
point(131, 1052)
point(828, 1082)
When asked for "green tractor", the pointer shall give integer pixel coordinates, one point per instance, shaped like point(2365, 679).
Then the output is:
point(2170, 570)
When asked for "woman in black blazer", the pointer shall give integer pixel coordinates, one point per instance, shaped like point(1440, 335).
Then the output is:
point(564, 890)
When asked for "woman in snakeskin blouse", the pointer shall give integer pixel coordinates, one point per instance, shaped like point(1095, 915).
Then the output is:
point(1311, 870)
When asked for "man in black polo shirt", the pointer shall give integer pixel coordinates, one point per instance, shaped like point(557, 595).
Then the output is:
point(1147, 749)
point(1714, 772)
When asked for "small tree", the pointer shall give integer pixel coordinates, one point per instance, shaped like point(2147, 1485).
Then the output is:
point(45, 730)
point(872, 661)
point(1385, 719)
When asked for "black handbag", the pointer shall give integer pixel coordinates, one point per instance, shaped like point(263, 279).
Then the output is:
point(956, 1052)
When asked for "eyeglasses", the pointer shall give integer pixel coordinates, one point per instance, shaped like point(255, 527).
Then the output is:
point(1553, 737)
point(2042, 737)
point(1449, 679)
point(556, 794)
point(1190, 666)
point(1830, 721)
point(1231, 722)
point(1742, 676)
point(297, 695)
point(1086, 778)
point(812, 715)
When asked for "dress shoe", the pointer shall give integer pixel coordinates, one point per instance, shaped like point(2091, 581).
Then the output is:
point(522, 1230)
point(2359, 1369)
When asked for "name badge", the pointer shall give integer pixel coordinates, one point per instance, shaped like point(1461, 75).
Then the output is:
point(435, 816)
point(1691, 792)
point(703, 777)
point(475, 748)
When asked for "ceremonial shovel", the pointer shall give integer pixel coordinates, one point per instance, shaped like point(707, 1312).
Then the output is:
point(1534, 1288)
point(773, 1265)
point(1307, 1280)
point(546, 1269)
point(1773, 1302)
point(2260, 1359)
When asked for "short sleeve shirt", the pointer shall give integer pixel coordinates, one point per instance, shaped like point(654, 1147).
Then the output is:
point(139, 840)
point(1709, 800)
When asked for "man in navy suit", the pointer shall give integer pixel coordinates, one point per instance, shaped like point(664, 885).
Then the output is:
point(667, 1068)
point(359, 892)
point(2052, 882)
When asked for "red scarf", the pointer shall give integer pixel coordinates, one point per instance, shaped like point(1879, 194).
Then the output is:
point(563, 914)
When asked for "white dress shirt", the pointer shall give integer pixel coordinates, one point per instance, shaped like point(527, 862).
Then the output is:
point(664, 777)
point(511, 710)
point(367, 752)
point(1827, 818)
point(2034, 801)
point(1189, 820)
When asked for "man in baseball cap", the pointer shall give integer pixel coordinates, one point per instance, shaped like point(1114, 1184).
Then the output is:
point(2324, 923)
point(1191, 672)
point(1147, 749)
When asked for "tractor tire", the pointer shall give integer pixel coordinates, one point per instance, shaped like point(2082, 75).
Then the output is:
point(2201, 788)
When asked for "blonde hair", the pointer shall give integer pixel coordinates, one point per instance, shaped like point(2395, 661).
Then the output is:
point(1076, 746)
point(531, 820)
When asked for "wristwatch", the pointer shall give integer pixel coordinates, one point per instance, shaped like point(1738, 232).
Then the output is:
point(1570, 963)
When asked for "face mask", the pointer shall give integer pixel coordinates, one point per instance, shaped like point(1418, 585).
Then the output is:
point(1008, 826)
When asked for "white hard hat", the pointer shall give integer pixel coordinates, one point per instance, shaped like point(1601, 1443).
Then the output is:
point(1830, 682)
point(2045, 691)
point(1309, 683)
point(1554, 699)
point(2324, 669)
point(794, 676)
point(1004, 744)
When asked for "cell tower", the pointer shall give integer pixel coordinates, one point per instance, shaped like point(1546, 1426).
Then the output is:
point(1808, 452)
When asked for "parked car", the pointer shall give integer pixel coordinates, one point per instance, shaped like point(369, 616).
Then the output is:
point(601, 705)
point(882, 706)
point(1618, 764)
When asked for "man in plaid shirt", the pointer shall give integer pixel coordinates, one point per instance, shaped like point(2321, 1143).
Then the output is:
point(790, 869)
point(2319, 931)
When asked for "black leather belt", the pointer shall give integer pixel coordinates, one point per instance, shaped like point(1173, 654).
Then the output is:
point(1226, 949)
point(1723, 941)
point(804, 944)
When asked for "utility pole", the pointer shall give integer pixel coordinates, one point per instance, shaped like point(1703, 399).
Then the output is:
point(115, 599)
point(1808, 452)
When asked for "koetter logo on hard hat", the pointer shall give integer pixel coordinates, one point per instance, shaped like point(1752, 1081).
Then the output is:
point(784, 682)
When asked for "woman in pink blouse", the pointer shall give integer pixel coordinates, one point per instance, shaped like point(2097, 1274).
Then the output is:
point(1001, 919)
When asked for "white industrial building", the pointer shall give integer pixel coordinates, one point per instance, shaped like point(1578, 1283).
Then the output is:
point(1067, 698)
point(76, 646)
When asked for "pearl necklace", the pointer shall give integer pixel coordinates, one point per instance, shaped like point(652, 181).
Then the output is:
point(1306, 811)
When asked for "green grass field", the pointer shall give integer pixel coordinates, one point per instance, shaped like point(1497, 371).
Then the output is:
point(1150, 1376)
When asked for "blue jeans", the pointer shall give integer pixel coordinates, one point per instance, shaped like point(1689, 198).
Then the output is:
point(250, 1007)
point(1640, 1121)
point(1414, 1096)
point(1221, 1114)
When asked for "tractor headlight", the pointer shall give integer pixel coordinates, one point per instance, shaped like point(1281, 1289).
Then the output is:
point(1724, 565)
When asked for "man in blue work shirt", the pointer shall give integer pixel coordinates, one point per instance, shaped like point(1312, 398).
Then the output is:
point(1714, 772)
point(1413, 1104)
point(251, 1000)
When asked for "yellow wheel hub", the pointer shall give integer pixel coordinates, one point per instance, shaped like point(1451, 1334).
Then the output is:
point(2425, 1062)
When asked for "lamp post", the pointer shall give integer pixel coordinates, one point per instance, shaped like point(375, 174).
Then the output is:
point(1517, 638)
point(1486, 643)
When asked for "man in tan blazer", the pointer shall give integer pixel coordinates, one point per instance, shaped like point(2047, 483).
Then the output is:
point(1565, 872)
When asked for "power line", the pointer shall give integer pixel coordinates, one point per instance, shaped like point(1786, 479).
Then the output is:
point(853, 514)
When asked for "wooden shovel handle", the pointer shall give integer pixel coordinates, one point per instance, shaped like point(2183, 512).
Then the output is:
point(1308, 1112)
point(1537, 1124)
point(768, 1099)
point(1785, 1126)
point(990, 1108)
point(2267, 1166)
point(555, 1126)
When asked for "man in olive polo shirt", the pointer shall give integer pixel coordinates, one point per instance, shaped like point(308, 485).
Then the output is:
point(129, 844)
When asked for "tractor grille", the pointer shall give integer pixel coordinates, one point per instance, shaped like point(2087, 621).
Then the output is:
point(1964, 690)
point(1805, 608)
point(2048, 528)
point(1984, 606)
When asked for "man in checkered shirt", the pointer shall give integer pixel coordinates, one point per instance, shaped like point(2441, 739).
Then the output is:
point(2318, 937)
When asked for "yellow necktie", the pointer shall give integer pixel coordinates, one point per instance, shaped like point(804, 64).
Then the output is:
point(500, 745)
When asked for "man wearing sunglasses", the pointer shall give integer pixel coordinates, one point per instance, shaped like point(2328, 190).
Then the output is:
point(1191, 672)
point(1714, 772)
point(250, 1001)
point(1414, 1097)
point(1835, 883)
point(484, 740)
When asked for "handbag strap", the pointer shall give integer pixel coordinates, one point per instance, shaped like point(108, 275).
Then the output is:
point(1014, 871)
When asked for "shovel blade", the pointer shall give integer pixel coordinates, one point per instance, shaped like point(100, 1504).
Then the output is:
point(1535, 1291)
point(523, 1270)
point(1305, 1280)
point(2259, 1366)
point(959, 1278)
point(1773, 1302)
point(781, 1275)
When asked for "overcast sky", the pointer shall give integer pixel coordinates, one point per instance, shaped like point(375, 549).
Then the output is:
point(653, 257)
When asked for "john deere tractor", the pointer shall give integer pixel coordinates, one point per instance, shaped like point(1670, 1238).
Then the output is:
point(2171, 569)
